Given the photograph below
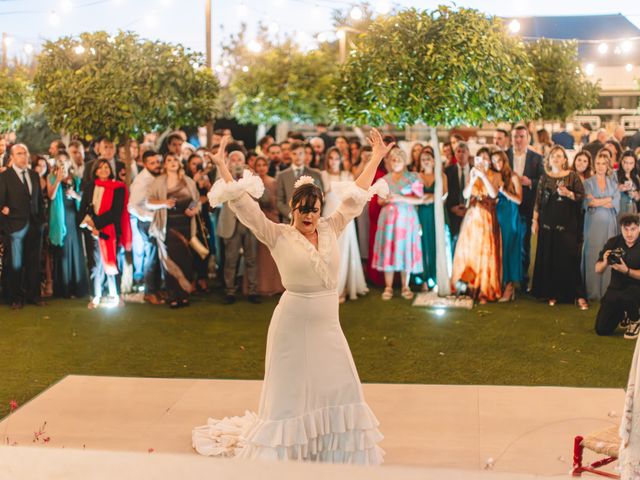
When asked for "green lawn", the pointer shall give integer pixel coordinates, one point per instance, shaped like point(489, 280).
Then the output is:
point(522, 343)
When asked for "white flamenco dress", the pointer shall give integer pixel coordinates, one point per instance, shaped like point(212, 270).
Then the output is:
point(351, 281)
point(312, 407)
point(629, 457)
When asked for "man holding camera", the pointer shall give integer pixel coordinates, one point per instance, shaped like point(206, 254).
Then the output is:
point(622, 298)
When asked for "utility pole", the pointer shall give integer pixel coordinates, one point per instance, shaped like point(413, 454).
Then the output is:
point(207, 16)
point(4, 50)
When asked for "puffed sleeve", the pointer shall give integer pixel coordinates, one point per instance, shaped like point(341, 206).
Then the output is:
point(238, 195)
point(353, 201)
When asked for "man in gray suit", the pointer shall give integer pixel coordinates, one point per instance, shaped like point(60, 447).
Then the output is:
point(236, 236)
point(286, 179)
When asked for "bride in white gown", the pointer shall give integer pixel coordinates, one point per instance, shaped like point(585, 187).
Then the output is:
point(351, 281)
point(312, 407)
point(629, 457)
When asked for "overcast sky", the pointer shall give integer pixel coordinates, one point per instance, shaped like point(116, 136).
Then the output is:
point(31, 21)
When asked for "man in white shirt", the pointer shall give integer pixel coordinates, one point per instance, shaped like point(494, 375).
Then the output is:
point(21, 219)
point(286, 179)
point(457, 178)
point(76, 152)
point(138, 209)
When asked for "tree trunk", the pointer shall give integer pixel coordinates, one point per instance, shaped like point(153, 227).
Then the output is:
point(442, 273)
point(263, 128)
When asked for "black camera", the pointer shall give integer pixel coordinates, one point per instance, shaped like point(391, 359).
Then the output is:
point(615, 256)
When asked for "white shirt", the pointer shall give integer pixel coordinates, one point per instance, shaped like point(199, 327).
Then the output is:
point(19, 171)
point(519, 162)
point(138, 194)
point(297, 171)
point(466, 174)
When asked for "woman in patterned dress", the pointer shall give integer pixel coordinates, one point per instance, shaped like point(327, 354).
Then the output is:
point(397, 245)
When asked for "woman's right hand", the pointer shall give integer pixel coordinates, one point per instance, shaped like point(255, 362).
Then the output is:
point(170, 203)
point(534, 226)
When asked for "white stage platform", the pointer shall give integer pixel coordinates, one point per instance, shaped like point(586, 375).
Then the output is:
point(430, 430)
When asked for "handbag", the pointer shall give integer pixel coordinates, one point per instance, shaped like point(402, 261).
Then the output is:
point(199, 245)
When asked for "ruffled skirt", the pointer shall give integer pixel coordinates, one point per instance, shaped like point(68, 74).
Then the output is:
point(312, 407)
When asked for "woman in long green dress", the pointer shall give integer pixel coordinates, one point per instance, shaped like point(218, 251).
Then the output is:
point(426, 215)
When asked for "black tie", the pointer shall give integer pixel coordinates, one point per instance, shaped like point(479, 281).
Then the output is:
point(463, 183)
point(24, 180)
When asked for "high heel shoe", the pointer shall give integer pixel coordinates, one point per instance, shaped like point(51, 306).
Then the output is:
point(552, 302)
point(508, 297)
point(582, 304)
point(387, 294)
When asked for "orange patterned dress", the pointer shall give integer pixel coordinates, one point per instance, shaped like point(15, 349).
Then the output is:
point(478, 259)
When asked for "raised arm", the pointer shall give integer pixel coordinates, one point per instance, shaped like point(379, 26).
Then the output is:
point(379, 151)
point(238, 195)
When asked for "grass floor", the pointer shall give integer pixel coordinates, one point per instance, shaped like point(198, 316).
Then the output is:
point(522, 343)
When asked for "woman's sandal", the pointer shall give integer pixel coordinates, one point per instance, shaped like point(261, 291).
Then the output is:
point(582, 304)
point(174, 304)
point(387, 294)
point(407, 294)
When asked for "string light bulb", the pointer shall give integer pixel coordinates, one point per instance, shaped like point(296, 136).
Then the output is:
point(245, 69)
point(603, 48)
point(628, 67)
point(79, 50)
point(28, 49)
point(626, 46)
point(356, 14)
point(514, 26)
point(8, 41)
point(254, 46)
point(589, 68)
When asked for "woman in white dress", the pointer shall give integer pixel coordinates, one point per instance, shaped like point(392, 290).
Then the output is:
point(312, 407)
point(351, 282)
point(629, 457)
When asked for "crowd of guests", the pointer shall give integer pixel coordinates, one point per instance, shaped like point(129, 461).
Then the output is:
point(130, 217)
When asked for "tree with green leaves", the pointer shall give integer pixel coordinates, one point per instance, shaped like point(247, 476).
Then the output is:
point(558, 73)
point(15, 95)
point(284, 84)
point(444, 67)
point(122, 86)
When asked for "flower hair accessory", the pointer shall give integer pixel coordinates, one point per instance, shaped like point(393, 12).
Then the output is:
point(303, 180)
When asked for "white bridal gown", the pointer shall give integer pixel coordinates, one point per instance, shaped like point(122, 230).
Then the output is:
point(312, 407)
point(351, 281)
point(629, 458)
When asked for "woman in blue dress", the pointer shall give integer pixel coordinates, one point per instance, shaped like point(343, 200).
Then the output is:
point(63, 188)
point(426, 215)
point(602, 202)
point(511, 226)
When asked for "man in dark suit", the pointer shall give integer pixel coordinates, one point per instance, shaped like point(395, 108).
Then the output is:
point(529, 166)
point(457, 177)
point(106, 149)
point(286, 179)
point(594, 147)
point(22, 213)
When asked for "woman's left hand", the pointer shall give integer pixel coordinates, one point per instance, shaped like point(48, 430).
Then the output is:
point(564, 191)
point(379, 149)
